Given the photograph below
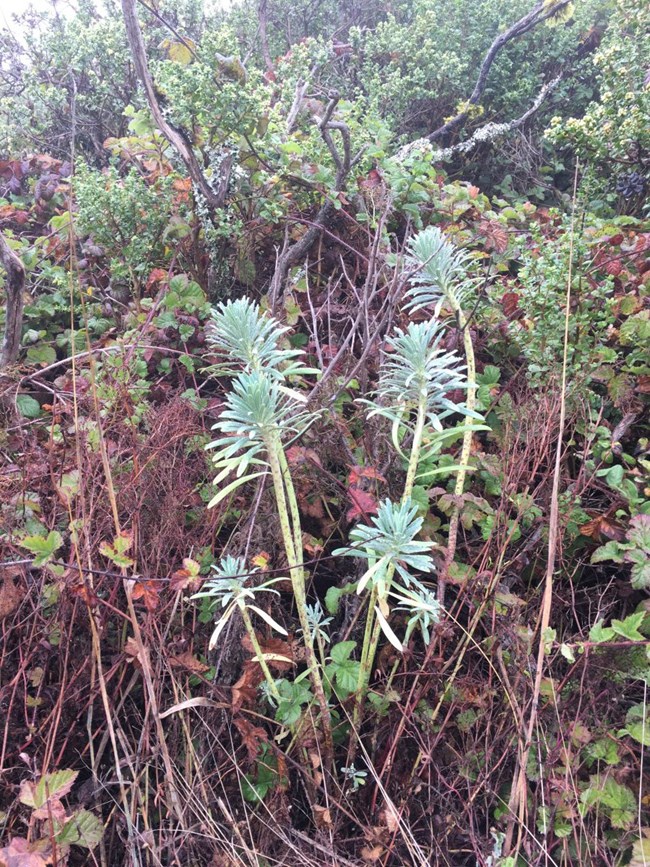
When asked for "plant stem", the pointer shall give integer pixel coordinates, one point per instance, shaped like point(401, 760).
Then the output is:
point(465, 451)
point(372, 632)
point(283, 488)
point(258, 652)
point(416, 447)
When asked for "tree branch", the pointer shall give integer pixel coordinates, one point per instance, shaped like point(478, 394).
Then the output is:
point(539, 13)
point(344, 162)
point(174, 136)
point(262, 17)
point(484, 134)
point(14, 291)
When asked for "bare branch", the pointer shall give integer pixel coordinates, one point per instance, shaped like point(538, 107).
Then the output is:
point(484, 134)
point(294, 253)
point(174, 136)
point(262, 17)
point(14, 306)
point(539, 13)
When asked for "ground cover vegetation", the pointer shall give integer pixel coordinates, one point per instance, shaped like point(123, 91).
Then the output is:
point(324, 456)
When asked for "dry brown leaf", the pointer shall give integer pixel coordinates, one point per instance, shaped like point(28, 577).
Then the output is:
point(252, 736)
point(372, 853)
point(189, 662)
point(10, 597)
point(322, 816)
point(278, 654)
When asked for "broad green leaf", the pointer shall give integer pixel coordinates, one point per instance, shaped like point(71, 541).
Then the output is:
point(567, 652)
point(637, 725)
point(340, 653)
point(599, 633)
point(612, 551)
point(27, 406)
point(41, 354)
point(83, 828)
point(179, 52)
point(50, 786)
point(44, 547)
point(629, 628)
point(116, 552)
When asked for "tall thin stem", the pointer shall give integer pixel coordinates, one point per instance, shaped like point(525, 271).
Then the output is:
point(454, 521)
point(283, 488)
point(258, 652)
point(372, 632)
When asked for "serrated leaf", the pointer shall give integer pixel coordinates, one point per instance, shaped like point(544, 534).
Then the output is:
point(50, 786)
point(599, 633)
point(340, 653)
point(637, 725)
point(629, 628)
point(83, 828)
point(27, 406)
point(43, 546)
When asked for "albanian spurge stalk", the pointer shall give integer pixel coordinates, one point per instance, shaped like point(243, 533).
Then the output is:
point(416, 375)
point(441, 278)
point(261, 414)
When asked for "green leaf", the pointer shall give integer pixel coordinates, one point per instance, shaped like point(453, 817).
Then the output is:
point(340, 653)
point(117, 551)
point(567, 652)
point(68, 487)
point(41, 354)
point(49, 787)
point(637, 725)
point(612, 551)
point(27, 406)
point(44, 547)
point(629, 628)
point(614, 476)
point(342, 670)
point(598, 633)
point(83, 828)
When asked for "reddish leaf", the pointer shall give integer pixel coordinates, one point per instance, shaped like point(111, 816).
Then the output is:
point(496, 236)
point(357, 473)
point(149, 592)
point(20, 853)
point(252, 736)
point(603, 526)
point(363, 504)
point(510, 304)
point(244, 692)
point(158, 275)
point(188, 576)
point(614, 267)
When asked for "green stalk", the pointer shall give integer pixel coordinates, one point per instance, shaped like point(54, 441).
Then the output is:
point(416, 447)
point(466, 449)
point(258, 651)
point(372, 632)
point(283, 488)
